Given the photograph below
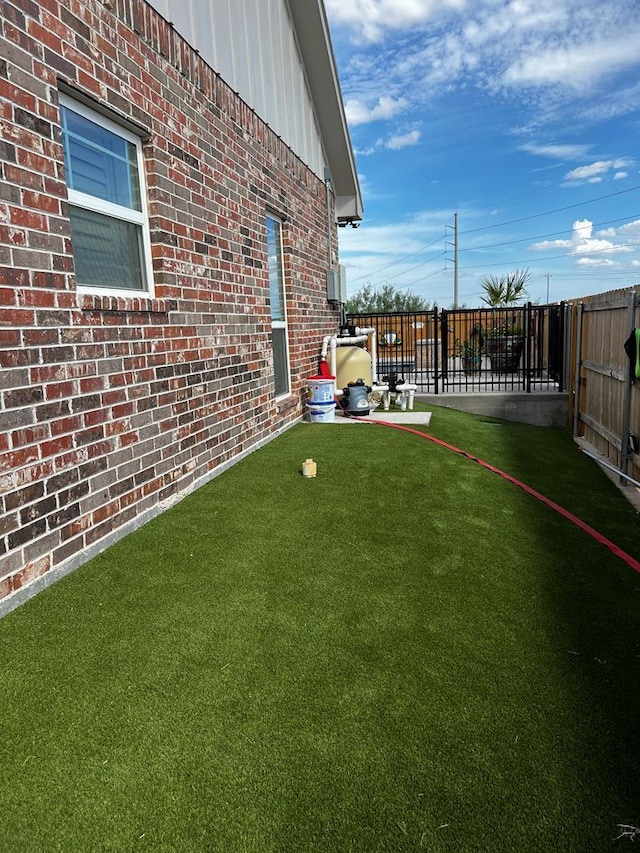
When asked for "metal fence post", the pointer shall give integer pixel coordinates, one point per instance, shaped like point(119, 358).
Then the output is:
point(578, 367)
point(626, 393)
point(527, 348)
point(561, 337)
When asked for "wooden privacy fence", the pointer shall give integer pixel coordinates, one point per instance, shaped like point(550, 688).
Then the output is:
point(604, 395)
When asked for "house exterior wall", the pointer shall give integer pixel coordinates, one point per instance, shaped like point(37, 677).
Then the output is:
point(113, 406)
point(254, 48)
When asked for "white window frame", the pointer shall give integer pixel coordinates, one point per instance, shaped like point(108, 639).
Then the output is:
point(280, 324)
point(116, 211)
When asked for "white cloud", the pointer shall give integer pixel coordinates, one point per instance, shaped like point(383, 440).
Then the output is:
point(405, 140)
point(587, 247)
point(597, 262)
point(385, 108)
point(583, 242)
point(582, 229)
point(370, 19)
point(619, 175)
point(577, 65)
point(557, 151)
point(393, 143)
point(542, 52)
point(595, 172)
point(545, 245)
point(613, 102)
point(631, 229)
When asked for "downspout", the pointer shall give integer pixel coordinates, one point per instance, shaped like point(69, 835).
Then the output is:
point(328, 186)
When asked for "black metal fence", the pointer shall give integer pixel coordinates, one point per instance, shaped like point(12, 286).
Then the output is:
point(479, 349)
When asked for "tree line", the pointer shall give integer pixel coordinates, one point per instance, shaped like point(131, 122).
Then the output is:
point(499, 290)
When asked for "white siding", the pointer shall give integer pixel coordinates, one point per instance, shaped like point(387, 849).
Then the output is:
point(252, 45)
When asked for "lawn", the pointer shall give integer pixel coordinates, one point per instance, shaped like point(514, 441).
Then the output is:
point(405, 653)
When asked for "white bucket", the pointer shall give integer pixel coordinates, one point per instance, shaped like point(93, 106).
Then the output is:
point(321, 389)
point(322, 413)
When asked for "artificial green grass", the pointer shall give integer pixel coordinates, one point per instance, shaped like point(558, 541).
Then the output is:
point(404, 653)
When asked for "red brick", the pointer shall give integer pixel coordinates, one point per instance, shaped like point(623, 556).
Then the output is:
point(15, 277)
point(30, 572)
point(18, 458)
point(22, 437)
point(195, 351)
point(41, 202)
point(56, 446)
point(65, 425)
point(23, 178)
point(92, 384)
point(59, 390)
point(38, 298)
point(27, 218)
point(17, 317)
point(8, 296)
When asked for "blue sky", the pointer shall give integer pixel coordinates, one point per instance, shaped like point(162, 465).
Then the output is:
point(522, 117)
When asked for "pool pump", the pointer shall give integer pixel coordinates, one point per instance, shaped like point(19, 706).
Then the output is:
point(355, 398)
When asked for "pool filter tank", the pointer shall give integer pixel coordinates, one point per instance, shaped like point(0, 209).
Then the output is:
point(352, 363)
point(355, 398)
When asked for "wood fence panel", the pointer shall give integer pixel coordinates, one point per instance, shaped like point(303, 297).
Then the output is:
point(607, 404)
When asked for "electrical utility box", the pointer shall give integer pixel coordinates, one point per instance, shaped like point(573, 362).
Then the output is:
point(337, 285)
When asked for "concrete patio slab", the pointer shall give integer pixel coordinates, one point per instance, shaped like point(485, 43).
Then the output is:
point(405, 418)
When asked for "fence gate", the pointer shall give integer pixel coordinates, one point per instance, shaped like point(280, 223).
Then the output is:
point(479, 349)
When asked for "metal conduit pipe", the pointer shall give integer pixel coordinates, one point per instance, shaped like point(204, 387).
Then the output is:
point(617, 471)
point(372, 332)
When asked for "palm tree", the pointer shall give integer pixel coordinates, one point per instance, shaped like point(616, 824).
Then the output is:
point(504, 339)
point(505, 289)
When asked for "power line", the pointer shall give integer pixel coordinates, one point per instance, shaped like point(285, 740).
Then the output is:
point(398, 261)
point(550, 257)
point(417, 266)
point(543, 236)
point(419, 281)
point(403, 258)
point(549, 212)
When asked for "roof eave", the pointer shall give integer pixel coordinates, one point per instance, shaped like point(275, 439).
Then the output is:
point(310, 22)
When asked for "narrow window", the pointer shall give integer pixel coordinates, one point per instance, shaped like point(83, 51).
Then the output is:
point(279, 335)
point(109, 229)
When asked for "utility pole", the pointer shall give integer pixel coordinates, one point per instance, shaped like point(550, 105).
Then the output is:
point(547, 276)
point(455, 260)
point(455, 256)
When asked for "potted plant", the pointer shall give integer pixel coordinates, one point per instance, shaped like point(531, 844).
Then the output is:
point(504, 341)
point(470, 354)
point(504, 344)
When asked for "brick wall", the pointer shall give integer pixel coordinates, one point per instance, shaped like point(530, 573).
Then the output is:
point(113, 405)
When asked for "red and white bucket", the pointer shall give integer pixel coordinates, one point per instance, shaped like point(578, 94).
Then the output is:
point(321, 389)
